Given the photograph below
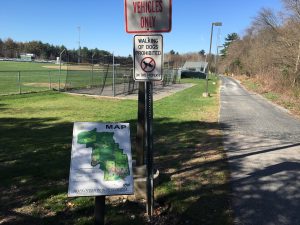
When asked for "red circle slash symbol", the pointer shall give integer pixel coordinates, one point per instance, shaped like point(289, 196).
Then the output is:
point(148, 64)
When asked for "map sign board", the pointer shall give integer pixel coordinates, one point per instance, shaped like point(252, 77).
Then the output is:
point(148, 57)
point(101, 160)
point(151, 16)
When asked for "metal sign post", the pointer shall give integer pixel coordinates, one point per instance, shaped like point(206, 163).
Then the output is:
point(140, 136)
point(149, 147)
point(148, 61)
point(142, 17)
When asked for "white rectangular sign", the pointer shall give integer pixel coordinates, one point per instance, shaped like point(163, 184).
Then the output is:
point(148, 57)
point(101, 161)
point(151, 16)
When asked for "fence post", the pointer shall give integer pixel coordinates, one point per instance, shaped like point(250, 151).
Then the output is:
point(114, 85)
point(92, 79)
point(49, 75)
point(59, 76)
point(19, 80)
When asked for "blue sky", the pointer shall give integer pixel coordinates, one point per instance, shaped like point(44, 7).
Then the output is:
point(102, 22)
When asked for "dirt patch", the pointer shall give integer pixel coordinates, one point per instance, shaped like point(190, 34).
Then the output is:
point(53, 85)
point(56, 67)
point(158, 92)
point(74, 67)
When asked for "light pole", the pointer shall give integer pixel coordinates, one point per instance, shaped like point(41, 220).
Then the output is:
point(217, 24)
point(60, 54)
point(217, 59)
point(79, 48)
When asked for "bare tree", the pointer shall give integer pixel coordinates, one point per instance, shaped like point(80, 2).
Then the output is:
point(293, 6)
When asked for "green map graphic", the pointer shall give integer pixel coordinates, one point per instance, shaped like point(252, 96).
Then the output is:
point(106, 153)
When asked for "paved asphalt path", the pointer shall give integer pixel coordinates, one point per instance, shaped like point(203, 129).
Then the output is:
point(262, 142)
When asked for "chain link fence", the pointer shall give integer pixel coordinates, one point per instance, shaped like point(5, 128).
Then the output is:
point(109, 79)
point(98, 78)
point(20, 82)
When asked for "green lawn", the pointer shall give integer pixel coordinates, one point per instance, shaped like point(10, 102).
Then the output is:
point(25, 77)
point(16, 66)
point(35, 144)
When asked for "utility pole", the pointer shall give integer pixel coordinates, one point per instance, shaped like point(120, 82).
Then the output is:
point(79, 48)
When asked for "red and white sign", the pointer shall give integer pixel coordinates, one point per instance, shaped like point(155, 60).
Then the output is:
point(148, 57)
point(148, 16)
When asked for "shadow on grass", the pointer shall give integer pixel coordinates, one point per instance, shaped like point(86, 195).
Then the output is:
point(34, 158)
point(2, 106)
point(34, 165)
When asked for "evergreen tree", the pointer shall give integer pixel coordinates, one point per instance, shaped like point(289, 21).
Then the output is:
point(228, 40)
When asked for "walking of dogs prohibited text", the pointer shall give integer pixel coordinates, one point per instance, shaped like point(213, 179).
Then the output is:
point(148, 53)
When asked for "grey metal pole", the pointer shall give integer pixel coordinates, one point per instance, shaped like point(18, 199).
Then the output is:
point(49, 76)
point(92, 81)
point(60, 68)
point(114, 86)
point(208, 66)
point(217, 59)
point(79, 47)
point(19, 80)
point(140, 136)
point(149, 148)
point(208, 61)
point(59, 74)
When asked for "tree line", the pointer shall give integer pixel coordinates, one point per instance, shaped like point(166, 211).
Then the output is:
point(44, 51)
point(176, 60)
point(270, 48)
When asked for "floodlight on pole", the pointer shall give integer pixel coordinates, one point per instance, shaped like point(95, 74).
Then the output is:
point(217, 24)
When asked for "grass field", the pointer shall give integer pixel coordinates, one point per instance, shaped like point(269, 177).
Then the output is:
point(24, 77)
point(17, 66)
point(35, 144)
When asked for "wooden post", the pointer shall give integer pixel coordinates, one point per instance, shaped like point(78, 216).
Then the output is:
point(99, 210)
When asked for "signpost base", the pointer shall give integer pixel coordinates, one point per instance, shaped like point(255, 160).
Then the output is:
point(206, 94)
point(99, 210)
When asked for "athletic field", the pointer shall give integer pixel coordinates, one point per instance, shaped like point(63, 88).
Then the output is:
point(24, 77)
point(97, 79)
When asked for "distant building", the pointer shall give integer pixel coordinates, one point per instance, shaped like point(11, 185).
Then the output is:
point(27, 57)
point(199, 66)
